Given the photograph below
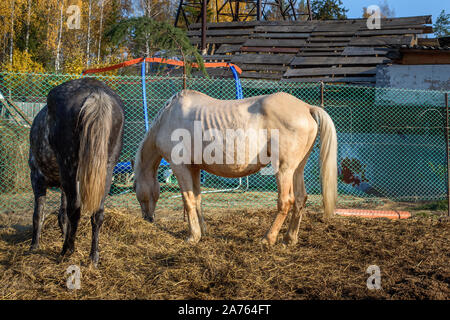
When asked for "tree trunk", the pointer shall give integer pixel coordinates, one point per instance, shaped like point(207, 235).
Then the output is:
point(88, 34)
point(57, 62)
point(48, 22)
point(100, 31)
point(11, 45)
point(27, 37)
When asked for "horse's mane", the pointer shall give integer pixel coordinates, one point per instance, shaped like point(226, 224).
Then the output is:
point(154, 123)
point(167, 105)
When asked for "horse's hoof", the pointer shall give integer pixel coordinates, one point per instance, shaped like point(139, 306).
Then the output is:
point(289, 242)
point(94, 259)
point(34, 247)
point(67, 252)
point(267, 242)
point(149, 219)
point(192, 239)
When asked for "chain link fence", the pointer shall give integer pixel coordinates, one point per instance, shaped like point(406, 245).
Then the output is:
point(391, 141)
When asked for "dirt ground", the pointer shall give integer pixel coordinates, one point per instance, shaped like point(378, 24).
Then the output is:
point(140, 260)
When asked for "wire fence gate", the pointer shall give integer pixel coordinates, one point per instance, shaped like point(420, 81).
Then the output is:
point(391, 142)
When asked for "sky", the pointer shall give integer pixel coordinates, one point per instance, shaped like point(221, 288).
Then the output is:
point(403, 8)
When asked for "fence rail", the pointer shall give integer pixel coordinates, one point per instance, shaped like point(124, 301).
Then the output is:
point(392, 142)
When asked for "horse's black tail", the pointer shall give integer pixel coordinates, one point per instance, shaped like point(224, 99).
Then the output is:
point(95, 120)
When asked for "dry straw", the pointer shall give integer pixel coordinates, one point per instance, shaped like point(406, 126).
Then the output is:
point(139, 260)
point(14, 148)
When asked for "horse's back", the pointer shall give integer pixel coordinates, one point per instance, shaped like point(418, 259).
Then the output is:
point(65, 103)
point(56, 130)
point(277, 110)
point(68, 97)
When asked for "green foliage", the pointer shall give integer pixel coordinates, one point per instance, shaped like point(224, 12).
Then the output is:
point(440, 205)
point(442, 25)
point(328, 9)
point(145, 36)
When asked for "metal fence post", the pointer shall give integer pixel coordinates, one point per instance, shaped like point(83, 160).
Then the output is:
point(448, 151)
point(322, 88)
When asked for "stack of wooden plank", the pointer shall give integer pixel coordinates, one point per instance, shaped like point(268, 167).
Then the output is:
point(331, 51)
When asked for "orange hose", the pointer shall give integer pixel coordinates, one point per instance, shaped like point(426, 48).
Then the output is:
point(390, 214)
point(161, 60)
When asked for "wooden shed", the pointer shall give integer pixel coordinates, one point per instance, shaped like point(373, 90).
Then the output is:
point(309, 51)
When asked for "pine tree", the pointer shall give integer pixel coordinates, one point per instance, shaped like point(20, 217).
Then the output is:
point(328, 9)
point(143, 32)
point(442, 25)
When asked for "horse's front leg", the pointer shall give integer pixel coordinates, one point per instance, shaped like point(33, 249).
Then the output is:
point(185, 181)
point(196, 178)
point(40, 191)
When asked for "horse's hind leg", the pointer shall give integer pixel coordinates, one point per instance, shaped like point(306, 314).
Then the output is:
point(40, 191)
point(96, 222)
point(62, 214)
point(291, 236)
point(196, 178)
point(73, 212)
point(285, 201)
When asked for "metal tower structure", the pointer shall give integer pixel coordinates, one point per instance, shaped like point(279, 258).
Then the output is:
point(190, 11)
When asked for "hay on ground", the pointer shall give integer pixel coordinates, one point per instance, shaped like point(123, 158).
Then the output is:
point(140, 260)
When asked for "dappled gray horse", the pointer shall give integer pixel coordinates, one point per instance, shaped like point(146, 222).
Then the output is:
point(75, 143)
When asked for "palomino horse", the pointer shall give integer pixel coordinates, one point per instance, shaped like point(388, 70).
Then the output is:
point(294, 122)
point(75, 143)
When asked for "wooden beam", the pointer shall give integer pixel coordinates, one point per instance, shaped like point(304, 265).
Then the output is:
point(261, 75)
point(286, 29)
point(364, 51)
point(220, 32)
point(380, 41)
point(268, 49)
point(281, 35)
point(325, 44)
point(315, 54)
point(263, 67)
point(388, 32)
point(321, 49)
point(228, 48)
point(370, 79)
point(319, 61)
point(274, 43)
point(329, 71)
point(329, 39)
point(217, 57)
point(226, 25)
point(262, 58)
point(333, 34)
point(228, 40)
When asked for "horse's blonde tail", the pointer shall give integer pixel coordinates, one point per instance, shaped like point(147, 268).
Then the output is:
point(328, 159)
point(95, 120)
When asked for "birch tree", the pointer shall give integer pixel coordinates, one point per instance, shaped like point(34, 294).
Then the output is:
point(27, 37)
point(58, 47)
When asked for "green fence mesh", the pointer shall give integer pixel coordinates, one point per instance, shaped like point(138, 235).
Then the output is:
point(391, 141)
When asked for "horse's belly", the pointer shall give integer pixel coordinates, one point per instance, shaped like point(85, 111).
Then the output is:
point(231, 170)
point(46, 163)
